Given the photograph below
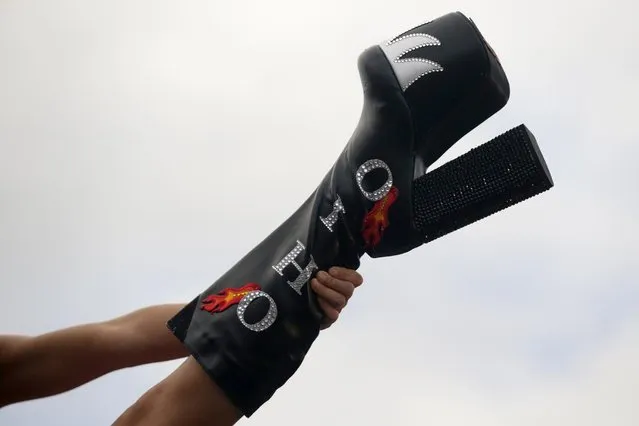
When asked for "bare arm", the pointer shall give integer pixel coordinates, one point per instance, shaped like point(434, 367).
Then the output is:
point(35, 367)
point(189, 397)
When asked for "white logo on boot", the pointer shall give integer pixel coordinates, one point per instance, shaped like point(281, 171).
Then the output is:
point(409, 70)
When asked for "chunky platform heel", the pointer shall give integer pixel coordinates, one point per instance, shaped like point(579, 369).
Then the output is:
point(423, 90)
point(496, 175)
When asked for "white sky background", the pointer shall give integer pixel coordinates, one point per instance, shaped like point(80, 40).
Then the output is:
point(145, 146)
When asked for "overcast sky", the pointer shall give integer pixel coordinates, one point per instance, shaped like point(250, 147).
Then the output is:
point(141, 142)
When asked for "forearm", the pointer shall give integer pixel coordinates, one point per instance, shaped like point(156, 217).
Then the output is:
point(52, 363)
point(36, 367)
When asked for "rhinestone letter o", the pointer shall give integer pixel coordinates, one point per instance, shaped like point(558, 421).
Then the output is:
point(368, 166)
point(268, 319)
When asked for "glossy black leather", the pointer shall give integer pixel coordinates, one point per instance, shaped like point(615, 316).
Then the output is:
point(408, 130)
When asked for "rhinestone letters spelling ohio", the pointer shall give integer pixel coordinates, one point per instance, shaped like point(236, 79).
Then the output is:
point(385, 195)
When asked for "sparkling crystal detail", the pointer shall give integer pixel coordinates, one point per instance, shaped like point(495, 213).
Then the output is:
point(290, 258)
point(409, 70)
point(368, 166)
point(303, 277)
point(432, 41)
point(268, 319)
point(305, 273)
point(331, 219)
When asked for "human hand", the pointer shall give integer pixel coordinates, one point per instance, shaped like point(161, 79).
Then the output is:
point(334, 289)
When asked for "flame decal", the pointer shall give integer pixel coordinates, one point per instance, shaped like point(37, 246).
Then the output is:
point(376, 220)
point(227, 298)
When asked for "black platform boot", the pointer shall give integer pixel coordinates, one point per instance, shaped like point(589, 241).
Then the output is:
point(424, 90)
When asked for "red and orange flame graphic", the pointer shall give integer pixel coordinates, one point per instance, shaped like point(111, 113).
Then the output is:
point(227, 298)
point(376, 220)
